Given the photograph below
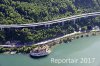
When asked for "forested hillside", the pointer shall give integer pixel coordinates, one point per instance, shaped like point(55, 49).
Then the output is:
point(27, 35)
point(31, 11)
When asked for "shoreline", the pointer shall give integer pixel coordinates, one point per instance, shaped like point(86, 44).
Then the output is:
point(64, 39)
point(44, 42)
point(71, 36)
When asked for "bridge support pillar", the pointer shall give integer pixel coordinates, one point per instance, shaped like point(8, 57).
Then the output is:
point(63, 23)
point(74, 21)
point(47, 26)
point(33, 27)
point(1, 29)
point(86, 17)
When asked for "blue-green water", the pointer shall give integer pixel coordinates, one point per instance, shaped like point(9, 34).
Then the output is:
point(87, 47)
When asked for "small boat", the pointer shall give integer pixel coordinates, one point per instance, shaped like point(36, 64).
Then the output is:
point(13, 52)
point(40, 52)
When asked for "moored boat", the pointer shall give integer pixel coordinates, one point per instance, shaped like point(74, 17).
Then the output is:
point(40, 52)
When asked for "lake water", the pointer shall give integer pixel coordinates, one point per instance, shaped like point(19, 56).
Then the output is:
point(86, 50)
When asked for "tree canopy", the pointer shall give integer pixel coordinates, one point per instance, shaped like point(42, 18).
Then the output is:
point(31, 11)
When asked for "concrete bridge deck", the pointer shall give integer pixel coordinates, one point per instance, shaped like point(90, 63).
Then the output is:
point(51, 22)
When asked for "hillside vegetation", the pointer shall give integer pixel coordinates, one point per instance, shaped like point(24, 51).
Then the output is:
point(32, 11)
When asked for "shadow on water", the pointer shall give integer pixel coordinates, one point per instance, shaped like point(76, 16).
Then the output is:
point(40, 57)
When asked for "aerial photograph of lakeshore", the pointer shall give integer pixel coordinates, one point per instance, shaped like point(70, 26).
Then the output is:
point(49, 32)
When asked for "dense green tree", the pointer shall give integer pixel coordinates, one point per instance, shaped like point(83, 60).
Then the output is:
point(28, 11)
point(31, 11)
